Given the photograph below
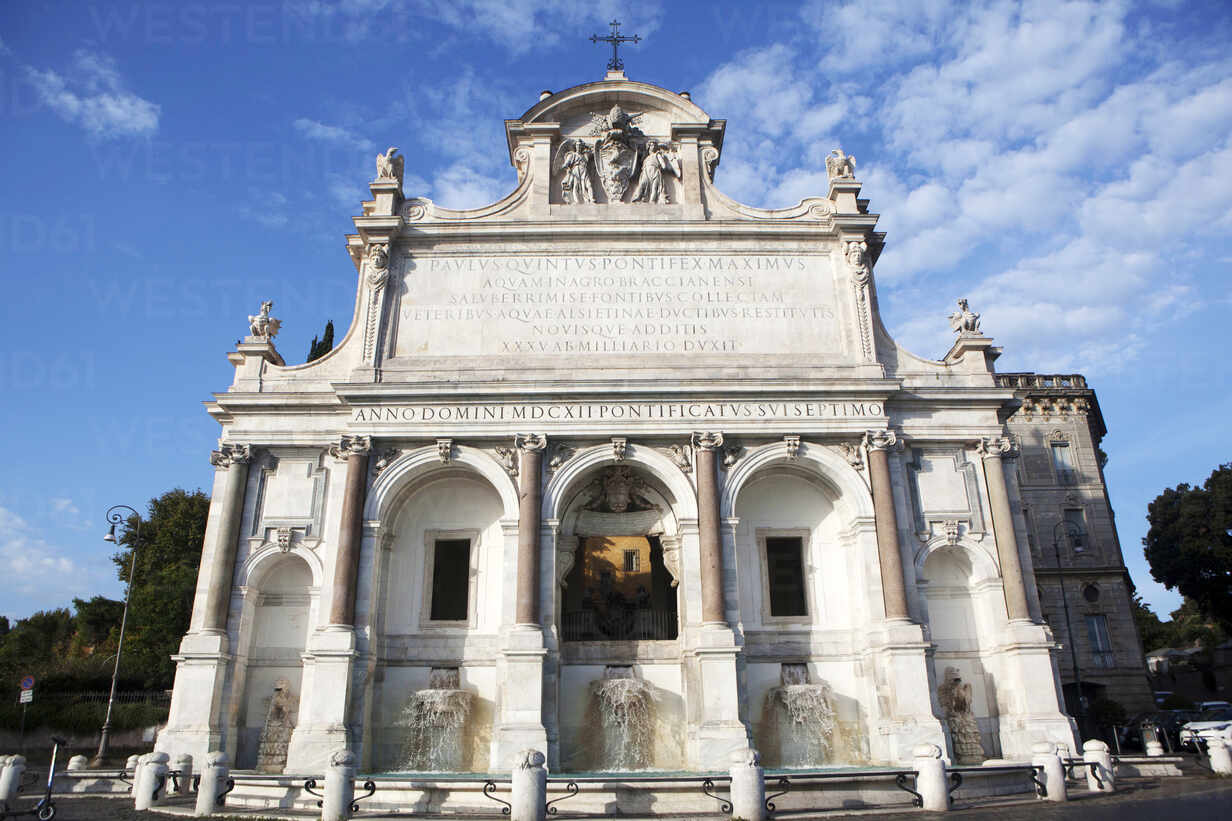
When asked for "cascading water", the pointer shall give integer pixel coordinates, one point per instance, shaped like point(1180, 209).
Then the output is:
point(625, 706)
point(800, 717)
point(437, 719)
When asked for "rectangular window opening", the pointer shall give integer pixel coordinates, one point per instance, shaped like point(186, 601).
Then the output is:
point(451, 569)
point(785, 573)
point(1101, 642)
point(1076, 528)
point(1063, 463)
point(633, 561)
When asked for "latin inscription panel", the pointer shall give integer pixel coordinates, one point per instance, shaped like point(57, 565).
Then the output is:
point(619, 304)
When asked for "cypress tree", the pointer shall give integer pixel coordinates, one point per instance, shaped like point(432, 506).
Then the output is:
point(326, 344)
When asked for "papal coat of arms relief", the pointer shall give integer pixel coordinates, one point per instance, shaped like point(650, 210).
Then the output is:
point(625, 161)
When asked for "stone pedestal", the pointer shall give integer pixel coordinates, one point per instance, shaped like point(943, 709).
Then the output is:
point(1029, 678)
point(905, 691)
point(194, 721)
point(521, 717)
point(720, 733)
point(324, 698)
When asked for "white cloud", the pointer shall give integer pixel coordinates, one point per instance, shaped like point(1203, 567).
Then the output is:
point(1053, 161)
point(314, 130)
point(34, 570)
point(93, 95)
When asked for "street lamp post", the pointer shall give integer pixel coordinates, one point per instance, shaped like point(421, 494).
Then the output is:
point(1071, 530)
point(115, 518)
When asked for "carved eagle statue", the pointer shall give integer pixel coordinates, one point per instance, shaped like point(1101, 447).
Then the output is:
point(388, 166)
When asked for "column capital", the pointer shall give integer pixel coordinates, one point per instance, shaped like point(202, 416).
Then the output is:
point(991, 447)
point(530, 441)
point(350, 446)
point(229, 454)
point(881, 440)
point(707, 440)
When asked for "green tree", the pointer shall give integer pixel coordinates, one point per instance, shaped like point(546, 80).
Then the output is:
point(318, 349)
point(96, 619)
point(34, 644)
point(1189, 544)
point(1154, 632)
point(164, 581)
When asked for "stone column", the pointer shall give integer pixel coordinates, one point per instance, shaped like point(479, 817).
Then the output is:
point(893, 589)
point(530, 497)
point(1003, 526)
point(521, 724)
point(706, 447)
point(354, 450)
point(224, 537)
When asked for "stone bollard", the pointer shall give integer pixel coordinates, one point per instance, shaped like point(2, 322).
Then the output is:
point(931, 782)
point(1097, 751)
point(1044, 754)
point(213, 783)
point(748, 786)
point(339, 786)
point(184, 763)
point(130, 766)
point(530, 787)
point(1154, 749)
point(152, 770)
point(1220, 754)
point(77, 762)
point(11, 769)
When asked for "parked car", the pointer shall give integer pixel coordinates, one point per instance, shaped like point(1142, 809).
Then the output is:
point(1218, 719)
point(1213, 705)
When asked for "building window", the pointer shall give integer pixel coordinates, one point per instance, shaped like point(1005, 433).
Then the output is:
point(1101, 644)
point(633, 561)
point(451, 570)
point(785, 589)
point(1063, 463)
point(1076, 528)
point(1091, 593)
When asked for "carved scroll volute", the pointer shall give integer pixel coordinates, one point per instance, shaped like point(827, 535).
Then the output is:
point(671, 557)
point(859, 265)
point(376, 267)
point(566, 556)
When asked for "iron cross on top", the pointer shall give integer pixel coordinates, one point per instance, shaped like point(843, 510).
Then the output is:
point(615, 38)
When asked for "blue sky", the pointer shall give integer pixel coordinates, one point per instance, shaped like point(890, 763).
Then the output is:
point(1067, 166)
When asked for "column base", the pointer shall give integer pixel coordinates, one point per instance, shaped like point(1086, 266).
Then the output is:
point(194, 723)
point(521, 726)
point(310, 747)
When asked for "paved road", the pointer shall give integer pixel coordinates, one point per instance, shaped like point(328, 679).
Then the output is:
point(1186, 799)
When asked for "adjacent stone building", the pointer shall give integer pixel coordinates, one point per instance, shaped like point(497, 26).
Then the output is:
point(1073, 539)
point(623, 470)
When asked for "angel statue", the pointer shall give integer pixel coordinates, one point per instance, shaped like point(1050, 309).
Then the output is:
point(650, 183)
point(389, 167)
point(573, 164)
point(840, 166)
point(264, 326)
point(964, 321)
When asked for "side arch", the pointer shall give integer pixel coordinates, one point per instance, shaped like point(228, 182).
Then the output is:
point(408, 468)
point(851, 496)
point(260, 561)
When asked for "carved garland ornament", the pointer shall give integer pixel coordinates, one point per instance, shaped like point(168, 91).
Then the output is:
point(350, 446)
point(378, 275)
point(230, 454)
point(856, 253)
point(996, 447)
point(681, 456)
